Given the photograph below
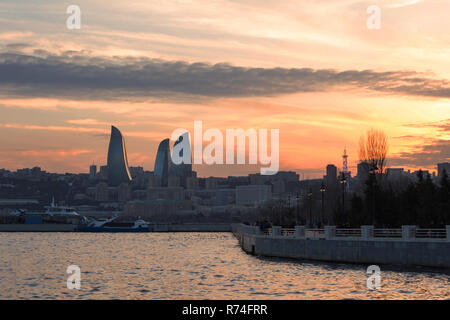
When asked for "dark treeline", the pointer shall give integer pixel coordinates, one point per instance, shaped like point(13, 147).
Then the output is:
point(382, 200)
point(421, 203)
point(379, 201)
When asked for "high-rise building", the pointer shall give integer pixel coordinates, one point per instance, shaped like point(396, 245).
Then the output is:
point(443, 166)
point(103, 172)
point(182, 170)
point(363, 170)
point(118, 171)
point(162, 162)
point(331, 177)
point(92, 171)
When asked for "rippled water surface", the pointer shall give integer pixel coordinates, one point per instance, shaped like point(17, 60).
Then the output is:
point(186, 266)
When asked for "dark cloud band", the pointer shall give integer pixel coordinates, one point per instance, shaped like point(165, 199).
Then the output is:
point(78, 75)
point(426, 155)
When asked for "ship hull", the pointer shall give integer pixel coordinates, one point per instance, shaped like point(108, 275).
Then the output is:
point(112, 229)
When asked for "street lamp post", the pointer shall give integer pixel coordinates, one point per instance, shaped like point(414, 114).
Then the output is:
point(310, 206)
point(343, 181)
point(373, 171)
point(297, 208)
point(322, 192)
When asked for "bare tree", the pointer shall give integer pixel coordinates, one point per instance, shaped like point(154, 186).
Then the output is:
point(373, 149)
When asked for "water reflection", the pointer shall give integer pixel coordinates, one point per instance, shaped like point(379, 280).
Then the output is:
point(186, 266)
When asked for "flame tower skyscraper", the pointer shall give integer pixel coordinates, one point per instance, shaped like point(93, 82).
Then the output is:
point(118, 171)
point(162, 162)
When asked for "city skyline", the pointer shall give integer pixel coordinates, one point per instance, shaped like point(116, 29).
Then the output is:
point(164, 167)
point(244, 169)
point(231, 65)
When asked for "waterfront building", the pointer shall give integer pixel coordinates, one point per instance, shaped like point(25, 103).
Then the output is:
point(118, 171)
point(167, 193)
point(101, 192)
point(287, 176)
point(139, 194)
point(174, 181)
point(253, 194)
point(192, 183)
point(154, 181)
point(225, 197)
point(124, 192)
point(162, 209)
point(211, 183)
point(278, 186)
point(257, 178)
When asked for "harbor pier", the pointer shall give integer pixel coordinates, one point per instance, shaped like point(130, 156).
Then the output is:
point(406, 246)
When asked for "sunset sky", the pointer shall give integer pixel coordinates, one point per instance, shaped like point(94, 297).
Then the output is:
point(311, 69)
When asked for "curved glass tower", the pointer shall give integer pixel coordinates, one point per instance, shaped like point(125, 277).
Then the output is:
point(182, 170)
point(118, 171)
point(162, 162)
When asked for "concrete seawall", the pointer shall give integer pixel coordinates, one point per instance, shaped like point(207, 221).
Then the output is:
point(188, 227)
point(430, 253)
point(50, 227)
point(191, 227)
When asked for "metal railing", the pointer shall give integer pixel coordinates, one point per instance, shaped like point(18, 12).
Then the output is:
point(315, 233)
point(382, 233)
point(387, 233)
point(431, 233)
point(287, 232)
point(348, 232)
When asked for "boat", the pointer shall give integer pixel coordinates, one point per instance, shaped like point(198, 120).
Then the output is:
point(55, 218)
point(52, 210)
point(110, 225)
point(61, 211)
